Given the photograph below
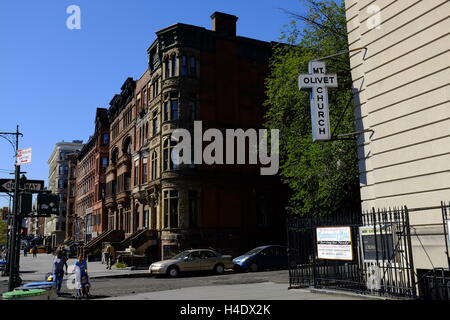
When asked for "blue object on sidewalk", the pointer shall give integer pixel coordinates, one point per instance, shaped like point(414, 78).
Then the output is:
point(46, 286)
point(38, 284)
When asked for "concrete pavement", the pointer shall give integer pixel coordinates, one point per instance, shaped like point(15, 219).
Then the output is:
point(255, 291)
point(35, 269)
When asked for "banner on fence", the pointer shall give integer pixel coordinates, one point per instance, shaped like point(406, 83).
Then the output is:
point(377, 243)
point(334, 243)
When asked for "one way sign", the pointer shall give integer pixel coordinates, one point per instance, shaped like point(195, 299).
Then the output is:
point(33, 186)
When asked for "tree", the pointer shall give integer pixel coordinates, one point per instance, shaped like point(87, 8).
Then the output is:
point(3, 232)
point(323, 176)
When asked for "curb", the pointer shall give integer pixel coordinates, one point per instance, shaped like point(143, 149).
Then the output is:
point(351, 294)
point(124, 275)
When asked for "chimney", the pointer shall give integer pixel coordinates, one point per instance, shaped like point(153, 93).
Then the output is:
point(224, 23)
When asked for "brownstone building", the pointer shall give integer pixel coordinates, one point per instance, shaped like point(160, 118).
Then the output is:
point(122, 115)
point(71, 196)
point(194, 74)
point(101, 136)
point(92, 161)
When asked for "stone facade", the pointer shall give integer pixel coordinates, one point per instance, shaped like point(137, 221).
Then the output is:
point(401, 83)
point(193, 74)
point(92, 161)
point(54, 227)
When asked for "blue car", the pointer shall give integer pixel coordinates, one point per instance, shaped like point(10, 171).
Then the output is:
point(261, 258)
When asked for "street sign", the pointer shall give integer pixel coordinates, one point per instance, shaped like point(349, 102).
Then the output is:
point(47, 204)
point(23, 156)
point(319, 82)
point(25, 203)
point(33, 186)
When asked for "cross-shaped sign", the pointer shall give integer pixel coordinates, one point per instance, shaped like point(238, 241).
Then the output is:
point(319, 82)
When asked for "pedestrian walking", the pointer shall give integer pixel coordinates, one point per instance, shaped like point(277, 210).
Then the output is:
point(34, 251)
point(65, 258)
point(82, 278)
point(58, 271)
point(110, 253)
point(25, 251)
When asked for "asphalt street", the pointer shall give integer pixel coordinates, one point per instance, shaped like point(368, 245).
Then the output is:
point(123, 287)
point(116, 283)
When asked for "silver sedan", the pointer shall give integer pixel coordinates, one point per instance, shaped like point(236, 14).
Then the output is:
point(193, 260)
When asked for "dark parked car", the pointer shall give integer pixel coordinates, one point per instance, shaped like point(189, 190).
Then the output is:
point(265, 257)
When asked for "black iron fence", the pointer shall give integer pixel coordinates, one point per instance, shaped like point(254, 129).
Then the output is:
point(305, 269)
point(434, 284)
point(368, 253)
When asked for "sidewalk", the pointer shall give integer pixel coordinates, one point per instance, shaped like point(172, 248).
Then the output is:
point(256, 291)
point(35, 269)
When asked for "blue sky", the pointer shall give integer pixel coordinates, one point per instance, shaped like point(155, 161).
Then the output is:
point(52, 79)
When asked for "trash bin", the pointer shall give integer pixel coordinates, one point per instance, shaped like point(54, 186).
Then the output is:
point(49, 286)
point(27, 294)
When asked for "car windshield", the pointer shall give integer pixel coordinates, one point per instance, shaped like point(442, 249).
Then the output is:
point(181, 255)
point(253, 251)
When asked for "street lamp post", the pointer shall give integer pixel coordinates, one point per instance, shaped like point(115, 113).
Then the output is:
point(13, 243)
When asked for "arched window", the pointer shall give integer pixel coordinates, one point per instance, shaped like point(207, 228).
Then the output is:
point(174, 66)
point(115, 156)
point(127, 146)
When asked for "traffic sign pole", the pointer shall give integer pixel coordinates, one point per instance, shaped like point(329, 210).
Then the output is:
point(14, 278)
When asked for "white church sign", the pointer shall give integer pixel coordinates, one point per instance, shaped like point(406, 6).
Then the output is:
point(319, 82)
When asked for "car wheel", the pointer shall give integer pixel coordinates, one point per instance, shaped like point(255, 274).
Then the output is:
point(219, 269)
point(173, 272)
point(254, 267)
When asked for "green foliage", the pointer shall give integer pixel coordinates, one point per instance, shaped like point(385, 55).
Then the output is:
point(121, 265)
point(97, 252)
point(323, 176)
point(3, 232)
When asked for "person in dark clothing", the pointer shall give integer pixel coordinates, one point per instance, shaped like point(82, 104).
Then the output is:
point(34, 251)
point(58, 271)
point(65, 258)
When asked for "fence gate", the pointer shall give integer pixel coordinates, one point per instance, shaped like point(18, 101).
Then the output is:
point(366, 253)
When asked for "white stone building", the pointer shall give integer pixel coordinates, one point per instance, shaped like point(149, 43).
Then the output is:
point(57, 183)
point(403, 95)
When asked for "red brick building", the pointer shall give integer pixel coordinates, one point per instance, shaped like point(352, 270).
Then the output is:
point(92, 161)
point(71, 196)
point(216, 77)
